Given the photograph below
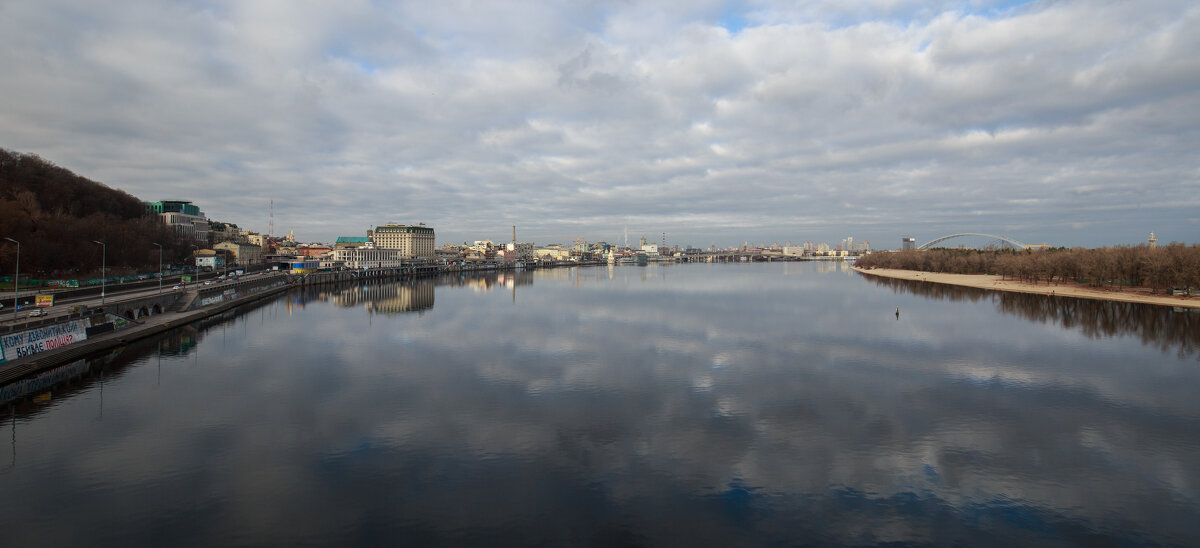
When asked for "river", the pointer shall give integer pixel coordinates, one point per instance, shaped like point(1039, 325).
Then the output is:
point(727, 404)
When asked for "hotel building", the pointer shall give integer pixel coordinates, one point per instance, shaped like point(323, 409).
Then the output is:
point(410, 240)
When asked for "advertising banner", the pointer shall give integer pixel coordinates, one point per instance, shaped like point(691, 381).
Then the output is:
point(28, 343)
point(45, 301)
point(185, 279)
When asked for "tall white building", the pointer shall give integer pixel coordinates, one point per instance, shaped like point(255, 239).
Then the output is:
point(409, 240)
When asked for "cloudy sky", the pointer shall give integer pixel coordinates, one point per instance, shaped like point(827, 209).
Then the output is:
point(716, 122)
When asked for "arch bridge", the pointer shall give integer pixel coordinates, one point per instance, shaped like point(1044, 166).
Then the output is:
point(1006, 240)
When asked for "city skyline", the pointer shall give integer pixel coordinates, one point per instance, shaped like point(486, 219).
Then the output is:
point(1067, 123)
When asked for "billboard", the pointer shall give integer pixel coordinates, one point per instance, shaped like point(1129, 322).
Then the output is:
point(27, 343)
point(45, 301)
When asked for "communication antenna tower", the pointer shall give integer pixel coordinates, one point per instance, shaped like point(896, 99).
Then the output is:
point(1152, 240)
point(271, 220)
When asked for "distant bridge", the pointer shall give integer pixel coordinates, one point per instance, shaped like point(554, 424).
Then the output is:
point(1009, 241)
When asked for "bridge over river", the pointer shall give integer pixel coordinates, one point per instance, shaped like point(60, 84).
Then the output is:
point(1007, 240)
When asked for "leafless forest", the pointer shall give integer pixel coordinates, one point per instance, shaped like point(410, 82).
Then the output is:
point(1161, 268)
point(56, 215)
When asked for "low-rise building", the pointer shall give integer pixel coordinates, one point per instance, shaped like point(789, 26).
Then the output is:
point(313, 250)
point(303, 265)
point(254, 238)
point(209, 259)
point(519, 251)
point(368, 256)
point(242, 253)
point(553, 254)
point(223, 232)
point(351, 242)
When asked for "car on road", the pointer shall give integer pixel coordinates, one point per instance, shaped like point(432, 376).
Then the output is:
point(37, 312)
point(176, 288)
point(208, 282)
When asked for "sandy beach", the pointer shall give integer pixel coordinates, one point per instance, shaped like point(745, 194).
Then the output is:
point(984, 281)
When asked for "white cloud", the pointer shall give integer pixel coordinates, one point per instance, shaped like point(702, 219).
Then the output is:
point(767, 121)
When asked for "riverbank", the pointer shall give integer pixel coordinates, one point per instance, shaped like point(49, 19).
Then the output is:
point(998, 283)
point(139, 329)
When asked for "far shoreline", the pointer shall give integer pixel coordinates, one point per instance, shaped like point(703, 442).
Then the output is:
point(998, 283)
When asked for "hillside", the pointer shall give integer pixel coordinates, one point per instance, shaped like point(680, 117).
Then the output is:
point(56, 215)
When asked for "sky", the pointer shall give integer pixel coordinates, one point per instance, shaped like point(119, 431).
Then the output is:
point(714, 122)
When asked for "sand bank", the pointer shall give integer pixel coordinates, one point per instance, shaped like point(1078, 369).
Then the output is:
point(985, 281)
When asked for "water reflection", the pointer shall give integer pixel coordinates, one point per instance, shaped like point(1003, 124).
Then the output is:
point(397, 297)
point(693, 404)
point(386, 298)
point(1162, 327)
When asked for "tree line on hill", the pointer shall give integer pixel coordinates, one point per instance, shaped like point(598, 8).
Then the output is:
point(1161, 268)
point(56, 215)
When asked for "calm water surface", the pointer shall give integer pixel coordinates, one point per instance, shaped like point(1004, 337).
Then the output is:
point(760, 404)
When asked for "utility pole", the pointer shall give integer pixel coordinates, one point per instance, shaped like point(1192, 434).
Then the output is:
point(159, 266)
point(103, 267)
point(16, 274)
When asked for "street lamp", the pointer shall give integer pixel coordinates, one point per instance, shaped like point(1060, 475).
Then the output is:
point(103, 267)
point(159, 266)
point(16, 274)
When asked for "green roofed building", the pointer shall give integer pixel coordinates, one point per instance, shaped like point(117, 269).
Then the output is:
point(173, 206)
point(183, 216)
point(350, 242)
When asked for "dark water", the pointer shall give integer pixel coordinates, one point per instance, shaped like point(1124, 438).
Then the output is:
point(764, 404)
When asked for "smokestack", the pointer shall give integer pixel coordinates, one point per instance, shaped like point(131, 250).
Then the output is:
point(514, 237)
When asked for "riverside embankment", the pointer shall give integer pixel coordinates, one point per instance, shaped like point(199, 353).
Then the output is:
point(192, 307)
point(999, 283)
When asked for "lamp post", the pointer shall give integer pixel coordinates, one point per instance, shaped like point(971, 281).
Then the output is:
point(195, 265)
point(159, 266)
point(16, 274)
point(103, 267)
